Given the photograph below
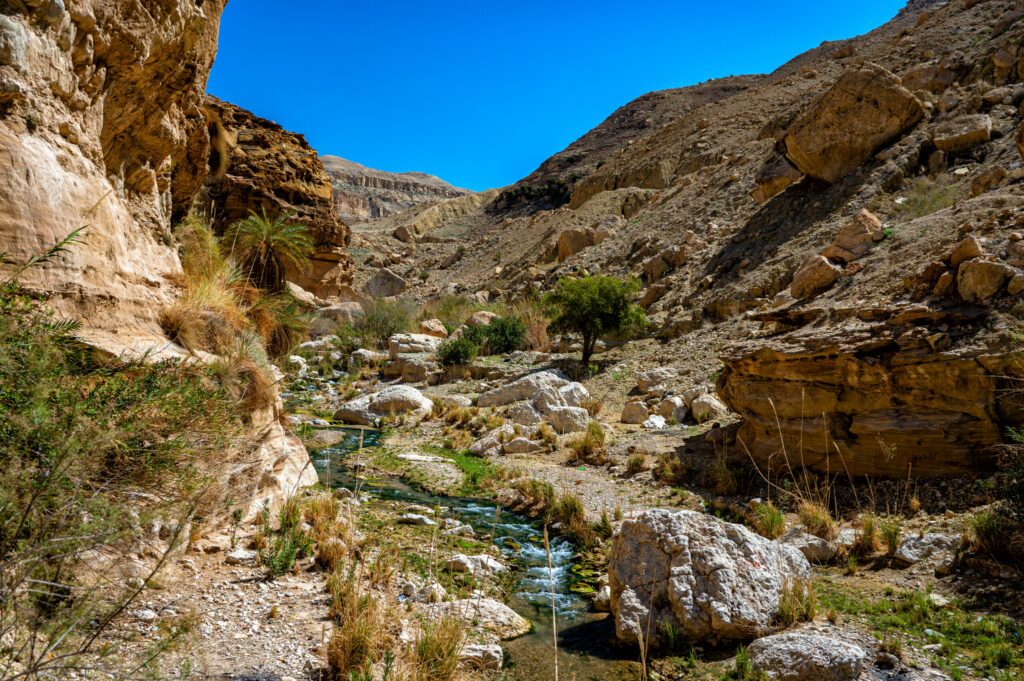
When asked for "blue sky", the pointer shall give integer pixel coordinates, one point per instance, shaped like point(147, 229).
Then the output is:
point(481, 93)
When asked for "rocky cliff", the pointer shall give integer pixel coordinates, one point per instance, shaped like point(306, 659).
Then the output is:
point(101, 127)
point(738, 203)
point(362, 193)
point(255, 163)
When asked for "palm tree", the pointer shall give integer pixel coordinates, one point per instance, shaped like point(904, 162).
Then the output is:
point(268, 246)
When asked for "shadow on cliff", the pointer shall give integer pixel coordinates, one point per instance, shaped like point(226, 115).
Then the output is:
point(779, 221)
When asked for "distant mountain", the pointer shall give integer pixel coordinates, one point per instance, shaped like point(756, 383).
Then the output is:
point(362, 193)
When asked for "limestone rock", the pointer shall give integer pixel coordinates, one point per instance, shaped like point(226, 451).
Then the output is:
point(713, 580)
point(523, 414)
point(708, 407)
point(815, 549)
point(302, 296)
point(392, 401)
point(603, 599)
point(693, 393)
point(634, 412)
point(855, 239)
point(572, 241)
point(962, 133)
point(656, 380)
point(433, 327)
point(568, 419)
point(814, 276)
point(481, 564)
point(525, 388)
point(484, 656)
point(520, 445)
point(328, 319)
point(366, 358)
point(493, 617)
point(412, 343)
point(798, 656)
point(654, 422)
point(481, 318)
point(385, 284)
point(915, 548)
point(968, 249)
point(673, 409)
point(413, 368)
point(775, 174)
point(979, 280)
point(415, 519)
point(864, 111)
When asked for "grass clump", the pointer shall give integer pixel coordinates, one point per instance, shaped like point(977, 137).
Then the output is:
point(891, 529)
point(636, 464)
point(817, 520)
point(867, 539)
point(769, 521)
point(589, 445)
point(436, 651)
point(287, 543)
point(926, 196)
point(798, 602)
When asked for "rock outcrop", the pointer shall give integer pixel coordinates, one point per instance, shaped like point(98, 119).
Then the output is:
point(712, 580)
point(362, 193)
point(101, 127)
point(256, 164)
point(865, 110)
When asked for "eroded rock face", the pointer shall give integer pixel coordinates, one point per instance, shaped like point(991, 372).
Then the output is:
point(865, 110)
point(102, 128)
point(713, 580)
point(254, 164)
point(887, 385)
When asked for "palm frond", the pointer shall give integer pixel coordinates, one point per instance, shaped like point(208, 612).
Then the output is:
point(60, 248)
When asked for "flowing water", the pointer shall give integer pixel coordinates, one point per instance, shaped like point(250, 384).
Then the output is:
point(585, 650)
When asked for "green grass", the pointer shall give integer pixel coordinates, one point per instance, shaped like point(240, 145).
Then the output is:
point(479, 474)
point(988, 644)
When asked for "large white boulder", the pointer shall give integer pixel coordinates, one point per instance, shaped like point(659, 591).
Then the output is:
point(395, 400)
point(328, 319)
point(634, 412)
point(568, 419)
point(412, 343)
point(707, 407)
point(656, 381)
point(525, 388)
point(712, 580)
point(493, 618)
point(798, 656)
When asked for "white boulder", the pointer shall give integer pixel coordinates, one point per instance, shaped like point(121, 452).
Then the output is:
point(798, 656)
point(655, 381)
point(395, 400)
point(568, 419)
point(634, 412)
point(707, 407)
point(525, 388)
point(412, 343)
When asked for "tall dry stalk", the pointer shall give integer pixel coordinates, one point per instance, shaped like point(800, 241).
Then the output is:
point(551, 585)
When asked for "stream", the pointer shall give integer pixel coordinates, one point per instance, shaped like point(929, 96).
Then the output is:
point(584, 637)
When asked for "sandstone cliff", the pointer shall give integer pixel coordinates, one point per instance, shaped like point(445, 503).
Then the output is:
point(732, 201)
point(255, 163)
point(362, 193)
point(101, 126)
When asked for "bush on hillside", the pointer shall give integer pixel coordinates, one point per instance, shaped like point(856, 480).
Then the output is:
point(457, 352)
point(595, 307)
point(505, 334)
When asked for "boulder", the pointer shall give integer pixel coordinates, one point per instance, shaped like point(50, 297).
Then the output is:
point(524, 414)
point(415, 519)
point(712, 580)
point(492, 444)
point(968, 249)
point(302, 296)
point(775, 174)
point(673, 409)
point(393, 401)
point(654, 422)
point(864, 111)
point(568, 419)
point(634, 412)
point(572, 241)
point(979, 280)
point(814, 276)
point(525, 388)
point(962, 133)
point(328, 319)
point(366, 358)
point(815, 549)
point(693, 393)
point(413, 368)
point(433, 327)
point(491, 616)
point(481, 564)
point(915, 548)
point(385, 284)
point(656, 381)
point(708, 407)
point(483, 656)
point(521, 445)
point(799, 656)
point(481, 318)
point(412, 343)
point(855, 239)
point(603, 599)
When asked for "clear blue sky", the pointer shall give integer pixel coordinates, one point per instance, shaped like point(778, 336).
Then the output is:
point(481, 93)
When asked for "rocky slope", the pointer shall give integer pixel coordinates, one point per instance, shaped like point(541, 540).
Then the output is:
point(735, 202)
point(362, 193)
point(255, 163)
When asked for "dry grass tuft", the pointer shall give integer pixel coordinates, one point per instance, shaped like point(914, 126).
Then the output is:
point(817, 520)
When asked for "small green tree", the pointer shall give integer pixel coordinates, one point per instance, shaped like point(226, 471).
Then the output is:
point(595, 307)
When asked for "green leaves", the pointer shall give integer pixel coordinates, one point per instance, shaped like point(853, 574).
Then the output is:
point(595, 307)
point(268, 246)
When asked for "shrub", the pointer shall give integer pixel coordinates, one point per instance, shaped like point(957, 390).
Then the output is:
point(505, 334)
point(769, 521)
point(926, 196)
point(670, 468)
point(457, 352)
point(90, 452)
point(990, 533)
point(589, 444)
point(817, 520)
point(384, 318)
point(891, 529)
point(636, 464)
point(595, 307)
point(286, 544)
point(536, 321)
point(866, 542)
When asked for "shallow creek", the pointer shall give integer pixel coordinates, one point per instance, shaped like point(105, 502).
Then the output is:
point(585, 650)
